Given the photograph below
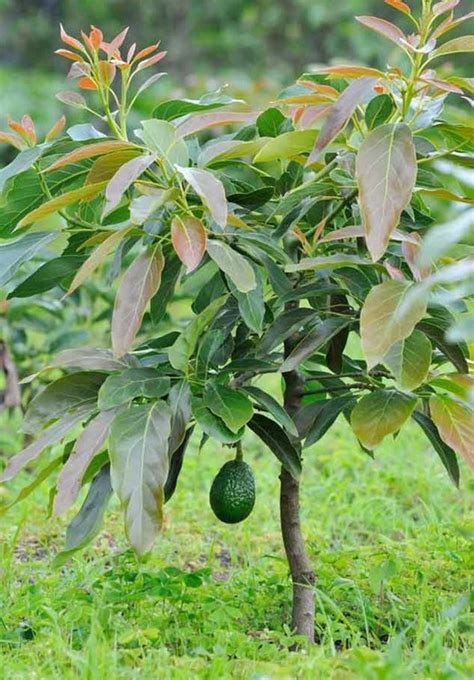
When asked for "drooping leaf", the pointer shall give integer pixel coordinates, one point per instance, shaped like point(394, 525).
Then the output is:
point(410, 360)
point(385, 319)
point(273, 436)
point(133, 382)
point(139, 284)
point(14, 254)
point(139, 469)
point(179, 402)
point(189, 239)
point(87, 523)
point(85, 193)
point(123, 180)
point(176, 463)
point(314, 340)
point(314, 420)
point(210, 190)
point(455, 423)
point(379, 414)
point(52, 435)
point(232, 263)
point(89, 442)
point(386, 175)
point(212, 425)
point(445, 452)
point(341, 113)
point(232, 406)
point(97, 257)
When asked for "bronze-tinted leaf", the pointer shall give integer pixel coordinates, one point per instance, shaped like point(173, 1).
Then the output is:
point(87, 445)
point(90, 151)
point(455, 423)
point(189, 240)
point(341, 113)
point(203, 121)
point(464, 43)
point(107, 165)
point(386, 175)
point(124, 178)
point(385, 28)
point(386, 318)
point(139, 284)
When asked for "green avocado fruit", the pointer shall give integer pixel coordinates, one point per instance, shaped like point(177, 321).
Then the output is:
point(232, 494)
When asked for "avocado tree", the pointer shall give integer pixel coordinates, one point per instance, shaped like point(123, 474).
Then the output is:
point(302, 246)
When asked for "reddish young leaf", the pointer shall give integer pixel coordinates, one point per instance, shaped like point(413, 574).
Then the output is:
point(441, 84)
point(312, 113)
point(411, 252)
point(72, 99)
point(90, 151)
point(189, 240)
point(56, 129)
point(327, 89)
point(87, 41)
point(139, 284)
point(398, 4)
point(449, 24)
point(69, 40)
point(131, 52)
point(96, 37)
point(87, 84)
point(145, 52)
point(106, 72)
point(116, 43)
point(18, 127)
point(68, 54)
point(15, 141)
point(152, 60)
point(385, 28)
point(341, 113)
point(29, 128)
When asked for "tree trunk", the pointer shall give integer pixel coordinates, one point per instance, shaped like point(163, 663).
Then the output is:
point(302, 574)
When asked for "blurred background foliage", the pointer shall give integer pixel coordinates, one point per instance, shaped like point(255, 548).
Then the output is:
point(255, 46)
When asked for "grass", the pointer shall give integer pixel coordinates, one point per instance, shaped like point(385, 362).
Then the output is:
point(389, 539)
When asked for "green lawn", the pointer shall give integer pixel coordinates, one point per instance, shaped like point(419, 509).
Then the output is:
point(212, 601)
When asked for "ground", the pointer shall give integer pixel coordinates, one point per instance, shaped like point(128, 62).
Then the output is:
point(389, 539)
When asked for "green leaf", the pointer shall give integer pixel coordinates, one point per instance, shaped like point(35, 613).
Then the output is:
point(181, 351)
point(314, 420)
point(176, 464)
point(89, 442)
point(159, 137)
point(48, 276)
point(287, 145)
point(455, 423)
point(139, 284)
point(14, 254)
point(175, 108)
point(134, 382)
point(232, 406)
point(386, 176)
point(269, 122)
point(379, 414)
point(283, 326)
point(385, 319)
point(139, 469)
point(436, 329)
point(314, 340)
point(69, 392)
point(23, 161)
point(210, 190)
point(87, 523)
point(445, 452)
point(251, 305)
point(410, 360)
point(34, 484)
point(22, 194)
point(273, 407)
point(465, 43)
point(232, 263)
point(169, 279)
point(330, 262)
point(89, 359)
point(212, 425)
point(379, 110)
point(273, 436)
point(85, 193)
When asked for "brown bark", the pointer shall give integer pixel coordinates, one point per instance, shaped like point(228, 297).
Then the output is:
point(302, 573)
point(11, 397)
